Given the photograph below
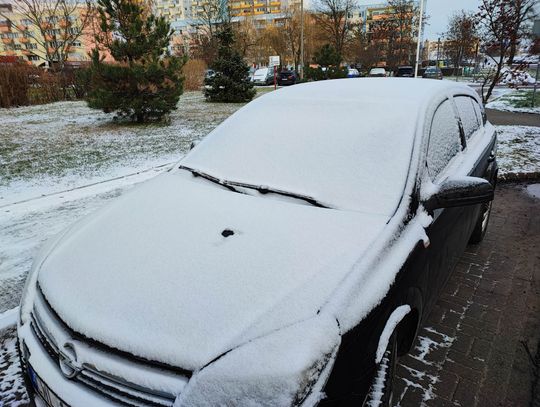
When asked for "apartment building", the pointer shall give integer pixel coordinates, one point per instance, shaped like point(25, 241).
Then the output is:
point(22, 39)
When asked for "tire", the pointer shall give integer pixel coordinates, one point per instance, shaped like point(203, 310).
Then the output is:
point(381, 391)
point(481, 224)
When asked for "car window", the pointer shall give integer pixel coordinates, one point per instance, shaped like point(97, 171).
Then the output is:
point(467, 114)
point(444, 139)
point(478, 112)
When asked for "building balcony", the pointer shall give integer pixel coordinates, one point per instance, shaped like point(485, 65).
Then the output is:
point(275, 3)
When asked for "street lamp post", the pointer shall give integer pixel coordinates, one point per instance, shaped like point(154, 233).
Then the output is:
point(419, 38)
point(301, 39)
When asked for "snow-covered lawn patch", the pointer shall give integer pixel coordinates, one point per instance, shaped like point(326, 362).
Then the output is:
point(519, 149)
point(518, 101)
point(59, 146)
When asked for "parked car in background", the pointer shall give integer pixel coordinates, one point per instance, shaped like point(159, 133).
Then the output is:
point(433, 72)
point(286, 78)
point(288, 264)
point(353, 73)
point(377, 73)
point(263, 76)
point(405, 72)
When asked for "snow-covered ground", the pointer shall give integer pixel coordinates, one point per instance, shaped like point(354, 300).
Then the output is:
point(519, 149)
point(517, 101)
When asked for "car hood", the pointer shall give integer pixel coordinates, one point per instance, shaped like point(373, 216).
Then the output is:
point(153, 274)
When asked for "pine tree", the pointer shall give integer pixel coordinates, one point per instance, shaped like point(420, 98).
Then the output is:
point(230, 82)
point(145, 82)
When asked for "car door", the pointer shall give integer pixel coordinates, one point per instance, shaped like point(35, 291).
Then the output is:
point(446, 231)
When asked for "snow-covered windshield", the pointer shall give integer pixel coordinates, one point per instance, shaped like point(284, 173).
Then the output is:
point(343, 152)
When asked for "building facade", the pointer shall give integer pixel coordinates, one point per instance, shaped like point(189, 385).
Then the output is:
point(23, 39)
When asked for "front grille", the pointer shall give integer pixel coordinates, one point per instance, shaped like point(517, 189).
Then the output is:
point(107, 385)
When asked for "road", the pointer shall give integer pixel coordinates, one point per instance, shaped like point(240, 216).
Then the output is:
point(502, 118)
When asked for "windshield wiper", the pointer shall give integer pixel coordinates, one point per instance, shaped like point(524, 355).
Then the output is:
point(197, 173)
point(263, 189)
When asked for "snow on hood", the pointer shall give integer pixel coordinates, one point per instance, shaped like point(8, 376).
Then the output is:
point(153, 275)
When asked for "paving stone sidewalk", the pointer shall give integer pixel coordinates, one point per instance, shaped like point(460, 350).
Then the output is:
point(481, 341)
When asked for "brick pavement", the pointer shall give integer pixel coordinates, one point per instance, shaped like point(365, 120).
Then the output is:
point(480, 340)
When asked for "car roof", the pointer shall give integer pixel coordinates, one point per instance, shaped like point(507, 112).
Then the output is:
point(324, 139)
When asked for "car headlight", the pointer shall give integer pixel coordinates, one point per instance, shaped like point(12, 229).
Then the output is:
point(280, 369)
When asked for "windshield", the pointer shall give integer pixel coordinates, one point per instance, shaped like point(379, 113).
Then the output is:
point(335, 151)
point(261, 72)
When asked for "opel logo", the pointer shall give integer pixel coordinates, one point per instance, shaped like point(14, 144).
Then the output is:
point(67, 362)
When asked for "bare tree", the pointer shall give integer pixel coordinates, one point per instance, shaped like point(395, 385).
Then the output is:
point(461, 38)
point(523, 13)
point(211, 14)
point(55, 25)
point(496, 20)
point(332, 16)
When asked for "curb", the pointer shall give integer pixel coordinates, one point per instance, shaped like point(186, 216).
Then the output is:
point(518, 177)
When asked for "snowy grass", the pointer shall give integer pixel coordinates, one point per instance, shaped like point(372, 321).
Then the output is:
point(518, 101)
point(59, 146)
point(519, 149)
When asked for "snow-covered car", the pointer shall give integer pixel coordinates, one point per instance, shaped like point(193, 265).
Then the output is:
point(377, 73)
point(280, 265)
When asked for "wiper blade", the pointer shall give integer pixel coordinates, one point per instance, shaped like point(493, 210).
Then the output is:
point(197, 173)
point(263, 189)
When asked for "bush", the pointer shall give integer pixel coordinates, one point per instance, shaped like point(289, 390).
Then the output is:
point(231, 82)
point(82, 80)
point(194, 74)
point(318, 74)
point(14, 85)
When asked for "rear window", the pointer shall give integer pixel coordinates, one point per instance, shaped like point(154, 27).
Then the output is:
point(405, 70)
point(444, 139)
point(467, 114)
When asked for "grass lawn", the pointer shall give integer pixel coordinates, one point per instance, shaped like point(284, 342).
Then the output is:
point(517, 101)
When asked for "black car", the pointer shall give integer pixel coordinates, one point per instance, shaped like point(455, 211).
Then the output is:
point(405, 72)
point(286, 78)
point(282, 262)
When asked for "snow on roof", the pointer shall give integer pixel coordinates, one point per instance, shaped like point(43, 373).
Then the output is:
point(346, 143)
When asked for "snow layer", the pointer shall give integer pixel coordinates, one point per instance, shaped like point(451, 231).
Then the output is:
point(176, 274)
point(289, 363)
point(518, 149)
point(303, 151)
point(506, 101)
point(8, 318)
point(393, 320)
point(12, 391)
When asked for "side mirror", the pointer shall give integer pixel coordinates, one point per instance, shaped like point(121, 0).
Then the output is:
point(462, 191)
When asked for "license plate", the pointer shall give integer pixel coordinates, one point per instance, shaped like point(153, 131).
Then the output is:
point(48, 396)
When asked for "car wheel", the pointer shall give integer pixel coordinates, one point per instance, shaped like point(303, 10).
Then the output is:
point(481, 224)
point(381, 391)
